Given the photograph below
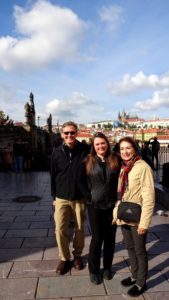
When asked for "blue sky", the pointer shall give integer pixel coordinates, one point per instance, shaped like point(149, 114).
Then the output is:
point(84, 60)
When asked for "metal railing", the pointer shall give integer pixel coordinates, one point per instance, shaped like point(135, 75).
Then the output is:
point(163, 155)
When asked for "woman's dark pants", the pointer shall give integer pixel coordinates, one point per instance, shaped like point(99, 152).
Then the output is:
point(103, 233)
point(136, 247)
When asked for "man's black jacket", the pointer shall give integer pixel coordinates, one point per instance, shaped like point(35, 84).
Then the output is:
point(68, 178)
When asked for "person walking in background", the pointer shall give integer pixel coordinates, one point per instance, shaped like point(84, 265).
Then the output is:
point(155, 151)
point(66, 189)
point(18, 153)
point(136, 185)
point(7, 158)
point(146, 154)
point(102, 169)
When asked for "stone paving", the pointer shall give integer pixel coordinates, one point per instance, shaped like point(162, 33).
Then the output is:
point(28, 250)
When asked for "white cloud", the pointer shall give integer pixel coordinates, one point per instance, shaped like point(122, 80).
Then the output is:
point(46, 33)
point(10, 102)
point(158, 100)
point(68, 108)
point(7, 93)
point(131, 84)
point(112, 15)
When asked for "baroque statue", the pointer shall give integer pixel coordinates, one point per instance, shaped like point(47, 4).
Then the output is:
point(30, 111)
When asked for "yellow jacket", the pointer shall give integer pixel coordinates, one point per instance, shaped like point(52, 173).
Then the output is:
point(140, 190)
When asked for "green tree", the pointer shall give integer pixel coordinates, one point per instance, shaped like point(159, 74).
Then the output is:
point(2, 115)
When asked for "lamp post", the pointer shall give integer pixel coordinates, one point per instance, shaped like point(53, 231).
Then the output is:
point(38, 117)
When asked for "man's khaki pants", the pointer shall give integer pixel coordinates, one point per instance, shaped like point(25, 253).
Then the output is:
point(65, 211)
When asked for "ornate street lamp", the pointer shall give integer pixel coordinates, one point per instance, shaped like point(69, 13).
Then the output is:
point(38, 117)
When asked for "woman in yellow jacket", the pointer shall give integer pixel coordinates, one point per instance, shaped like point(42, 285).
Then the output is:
point(136, 185)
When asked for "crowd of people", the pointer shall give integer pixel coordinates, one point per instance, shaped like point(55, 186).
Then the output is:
point(16, 157)
point(97, 179)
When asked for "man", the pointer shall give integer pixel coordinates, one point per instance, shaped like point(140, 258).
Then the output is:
point(18, 153)
point(68, 184)
point(155, 150)
point(146, 154)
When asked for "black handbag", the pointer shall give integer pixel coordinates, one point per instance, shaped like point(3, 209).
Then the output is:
point(129, 212)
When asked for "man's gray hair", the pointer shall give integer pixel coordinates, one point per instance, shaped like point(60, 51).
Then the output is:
point(70, 123)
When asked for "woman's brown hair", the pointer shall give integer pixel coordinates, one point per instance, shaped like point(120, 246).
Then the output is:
point(91, 158)
point(129, 140)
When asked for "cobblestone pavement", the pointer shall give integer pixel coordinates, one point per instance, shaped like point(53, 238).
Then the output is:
point(28, 250)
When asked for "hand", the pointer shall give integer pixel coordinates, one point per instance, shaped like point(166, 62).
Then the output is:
point(53, 204)
point(141, 230)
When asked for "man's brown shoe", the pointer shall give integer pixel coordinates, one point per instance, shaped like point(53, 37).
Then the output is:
point(78, 263)
point(63, 267)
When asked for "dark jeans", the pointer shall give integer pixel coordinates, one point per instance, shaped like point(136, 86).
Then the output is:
point(103, 233)
point(18, 164)
point(136, 246)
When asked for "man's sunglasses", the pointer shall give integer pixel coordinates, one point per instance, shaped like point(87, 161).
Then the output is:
point(69, 132)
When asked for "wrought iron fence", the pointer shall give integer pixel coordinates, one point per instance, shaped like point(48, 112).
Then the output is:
point(163, 155)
